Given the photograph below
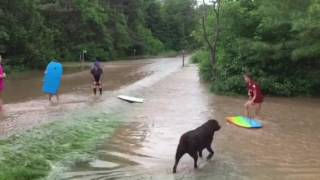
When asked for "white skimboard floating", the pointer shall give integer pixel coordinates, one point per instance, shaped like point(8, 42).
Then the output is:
point(131, 99)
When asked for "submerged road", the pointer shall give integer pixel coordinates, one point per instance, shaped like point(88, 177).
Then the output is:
point(177, 101)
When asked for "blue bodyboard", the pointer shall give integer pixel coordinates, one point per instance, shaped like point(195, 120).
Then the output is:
point(52, 78)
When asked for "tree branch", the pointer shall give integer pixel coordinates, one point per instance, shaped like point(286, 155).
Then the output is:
point(205, 34)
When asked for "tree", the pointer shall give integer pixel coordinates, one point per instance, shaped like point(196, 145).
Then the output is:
point(180, 19)
point(277, 41)
point(216, 29)
point(33, 32)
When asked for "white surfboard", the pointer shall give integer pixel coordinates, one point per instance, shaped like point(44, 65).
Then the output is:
point(131, 99)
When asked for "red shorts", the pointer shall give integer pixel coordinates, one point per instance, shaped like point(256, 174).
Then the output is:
point(259, 99)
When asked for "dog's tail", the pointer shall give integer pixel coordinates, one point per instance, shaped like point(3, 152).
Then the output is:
point(180, 152)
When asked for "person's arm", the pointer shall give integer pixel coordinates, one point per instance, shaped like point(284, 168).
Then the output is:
point(3, 75)
point(101, 74)
point(91, 74)
point(254, 96)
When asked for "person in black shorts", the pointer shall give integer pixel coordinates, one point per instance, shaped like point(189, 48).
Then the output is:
point(96, 72)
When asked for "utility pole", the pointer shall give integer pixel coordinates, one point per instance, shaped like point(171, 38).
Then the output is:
point(183, 42)
point(83, 56)
point(134, 53)
point(183, 55)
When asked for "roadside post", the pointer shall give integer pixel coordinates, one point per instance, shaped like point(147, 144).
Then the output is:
point(83, 56)
point(183, 55)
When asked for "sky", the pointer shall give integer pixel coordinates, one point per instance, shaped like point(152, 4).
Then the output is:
point(207, 1)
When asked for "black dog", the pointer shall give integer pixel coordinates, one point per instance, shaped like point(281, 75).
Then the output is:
point(193, 142)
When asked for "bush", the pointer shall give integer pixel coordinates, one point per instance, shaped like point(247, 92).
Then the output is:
point(200, 55)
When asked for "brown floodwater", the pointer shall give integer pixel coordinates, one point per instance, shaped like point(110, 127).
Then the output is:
point(287, 147)
point(27, 107)
point(28, 85)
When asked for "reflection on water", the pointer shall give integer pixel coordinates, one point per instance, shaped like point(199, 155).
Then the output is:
point(144, 147)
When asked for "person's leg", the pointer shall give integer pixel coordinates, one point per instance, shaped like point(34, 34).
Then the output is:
point(100, 88)
point(1, 102)
point(50, 97)
point(94, 88)
point(258, 107)
point(247, 108)
point(57, 96)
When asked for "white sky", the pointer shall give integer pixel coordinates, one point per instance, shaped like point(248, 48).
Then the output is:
point(207, 1)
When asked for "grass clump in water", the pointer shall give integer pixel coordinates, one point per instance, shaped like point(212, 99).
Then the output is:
point(31, 155)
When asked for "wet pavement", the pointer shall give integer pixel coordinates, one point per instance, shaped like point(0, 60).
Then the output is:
point(176, 101)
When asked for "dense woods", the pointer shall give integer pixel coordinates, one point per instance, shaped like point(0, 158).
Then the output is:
point(34, 31)
point(277, 41)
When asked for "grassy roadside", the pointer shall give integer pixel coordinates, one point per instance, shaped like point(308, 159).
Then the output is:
point(32, 155)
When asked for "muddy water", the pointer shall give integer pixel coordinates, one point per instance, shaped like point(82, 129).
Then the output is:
point(27, 107)
point(288, 146)
point(28, 85)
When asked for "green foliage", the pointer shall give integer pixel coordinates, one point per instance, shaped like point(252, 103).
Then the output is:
point(200, 55)
point(32, 155)
point(180, 20)
point(33, 32)
point(277, 41)
point(206, 68)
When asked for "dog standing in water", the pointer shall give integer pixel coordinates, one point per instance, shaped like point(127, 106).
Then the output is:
point(193, 142)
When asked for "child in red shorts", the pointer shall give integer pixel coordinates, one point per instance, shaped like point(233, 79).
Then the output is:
point(255, 97)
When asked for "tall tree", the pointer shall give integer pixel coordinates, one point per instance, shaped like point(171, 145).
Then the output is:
point(212, 44)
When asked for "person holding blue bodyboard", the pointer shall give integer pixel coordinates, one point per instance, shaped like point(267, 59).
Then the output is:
point(52, 79)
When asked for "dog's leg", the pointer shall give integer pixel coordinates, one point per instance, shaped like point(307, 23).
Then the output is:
point(195, 158)
point(211, 152)
point(200, 153)
point(179, 154)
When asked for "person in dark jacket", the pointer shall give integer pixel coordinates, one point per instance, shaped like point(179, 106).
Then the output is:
point(96, 72)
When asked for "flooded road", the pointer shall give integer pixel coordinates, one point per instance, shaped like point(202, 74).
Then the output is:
point(144, 147)
point(27, 107)
point(28, 86)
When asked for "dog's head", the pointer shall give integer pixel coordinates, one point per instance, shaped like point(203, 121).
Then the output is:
point(213, 124)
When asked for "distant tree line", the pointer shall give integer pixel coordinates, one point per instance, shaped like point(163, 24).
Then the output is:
point(277, 41)
point(34, 31)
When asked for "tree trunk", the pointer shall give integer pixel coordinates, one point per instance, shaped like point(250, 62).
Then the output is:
point(213, 46)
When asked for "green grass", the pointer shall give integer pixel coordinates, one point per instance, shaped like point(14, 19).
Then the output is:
point(32, 155)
